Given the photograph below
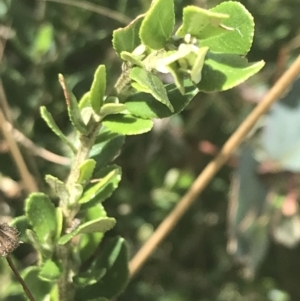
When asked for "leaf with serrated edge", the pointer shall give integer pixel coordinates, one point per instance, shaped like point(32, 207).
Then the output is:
point(59, 188)
point(101, 224)
point(98, 88)
point(42, 216)
point(73, 108)
point(46, 115)
point(127, 38)
point(158, 24)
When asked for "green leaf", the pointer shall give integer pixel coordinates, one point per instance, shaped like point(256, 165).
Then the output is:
point(108, 183)
point(73, 108)
point(86, 170)
point(150, 83)
point(113, 257)
point(90, 241)
point(98, 88)
point(101, 224)
point(127, 124)
point(196, 20)
point(37, 287)
point(43, 40)
point(59, 188)
point(224, 71)
point(158, 24)
point(131, 58)
point(112, 108)
point(127, 38)
point(237, 41)
point(107, 146)
point(50, 271)
point(41, 214)
point(145, 106)
point(46, 115)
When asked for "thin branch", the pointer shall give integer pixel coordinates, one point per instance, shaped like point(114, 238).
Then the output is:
point(27, 179)
point(20, 279)
point(37, 150)
point(212, 168)
point(104, 11)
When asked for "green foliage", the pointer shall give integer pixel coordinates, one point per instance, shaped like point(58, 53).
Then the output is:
point(204, 54)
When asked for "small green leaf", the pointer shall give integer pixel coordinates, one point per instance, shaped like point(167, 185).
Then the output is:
point(107, 146)
point(86, 170)
point(127, 124)
point(158, 24)
point(127, 38)
point(73, 108)
point(110, 177)
point(113, 257)
point(59, 222)
point(59, 188)
point(150, 83)
point(92, 192)
point(131, 58)
point(46, 115)
point(98, 88)
point(112, 108)
point(85, 100)
point(196, 20)
point(41, 214)
point(238, 40)
point(102, 224)
point(145, 106)
point(90, 241)
point(224, 71)
point(50, 271)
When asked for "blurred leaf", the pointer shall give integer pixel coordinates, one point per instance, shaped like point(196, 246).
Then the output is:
point(43, 40)
point(158, 24)
point(127, 124)
point(98, 88)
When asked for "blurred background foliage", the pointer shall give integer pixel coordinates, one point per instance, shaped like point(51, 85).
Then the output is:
point(40, 39)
